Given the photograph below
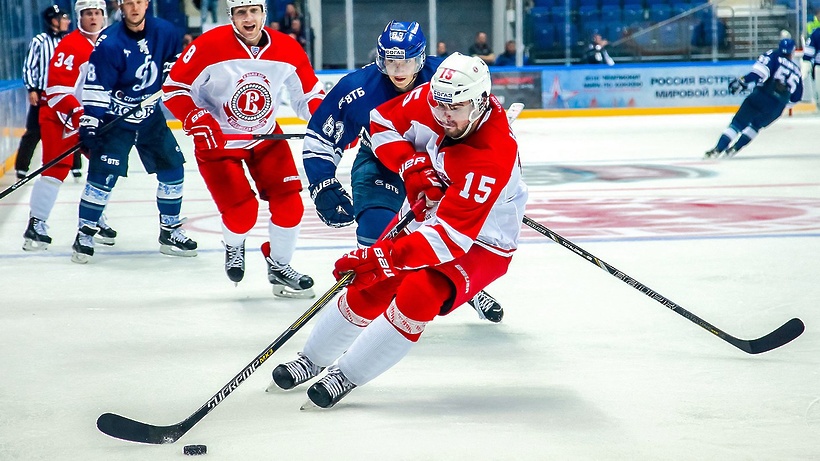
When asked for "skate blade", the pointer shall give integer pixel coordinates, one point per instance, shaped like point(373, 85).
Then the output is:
point(31, 245)
point(272, 387)
point(104, 240)
point(174, 251)
point(310, 406)
point(282, 291)
point(80, 258)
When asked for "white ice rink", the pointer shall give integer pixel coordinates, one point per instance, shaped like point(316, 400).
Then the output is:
point(583, 367)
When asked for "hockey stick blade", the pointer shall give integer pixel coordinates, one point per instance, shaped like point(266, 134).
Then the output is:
point(127, 429)
point(131, 430)
point(783, 335)
point(514, 111)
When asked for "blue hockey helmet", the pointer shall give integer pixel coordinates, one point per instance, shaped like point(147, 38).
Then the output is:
point(786, 46)
point(401, 41)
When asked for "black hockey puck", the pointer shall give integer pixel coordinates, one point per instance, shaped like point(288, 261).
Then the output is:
point(195, 449)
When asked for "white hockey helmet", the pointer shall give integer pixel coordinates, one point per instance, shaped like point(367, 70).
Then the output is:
point(235, 3)
point(83, 5)
point(461, 78)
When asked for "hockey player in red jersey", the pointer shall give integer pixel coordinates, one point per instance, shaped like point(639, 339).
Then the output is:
point(228, 81)
point(452, 145)
point(59, 120)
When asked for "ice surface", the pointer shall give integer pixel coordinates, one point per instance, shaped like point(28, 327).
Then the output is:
point(583, 367)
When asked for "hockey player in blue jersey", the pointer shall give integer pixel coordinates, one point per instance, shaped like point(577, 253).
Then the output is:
point(778, 84)
point(128, 66)
point(344, 116)
point(811, 59)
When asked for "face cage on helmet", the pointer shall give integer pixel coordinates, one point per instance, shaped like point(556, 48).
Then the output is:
point(468, 113)
point(398, 66)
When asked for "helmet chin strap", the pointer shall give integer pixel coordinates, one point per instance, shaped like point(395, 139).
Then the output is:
point(479, 111)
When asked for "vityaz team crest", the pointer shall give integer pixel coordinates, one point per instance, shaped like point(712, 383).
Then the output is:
point(251, 105)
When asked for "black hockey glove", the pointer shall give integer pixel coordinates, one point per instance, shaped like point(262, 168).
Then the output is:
point(737, 84)
point(333, 204)
point(88, 133)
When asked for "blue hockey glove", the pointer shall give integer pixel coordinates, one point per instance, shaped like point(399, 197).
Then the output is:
point(88, 133)
point(333, 204)
point(736, 84)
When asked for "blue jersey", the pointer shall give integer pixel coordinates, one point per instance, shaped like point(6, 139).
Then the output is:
point(810, 50)
point(777, 76)
point(127, 67)
point(345, 114)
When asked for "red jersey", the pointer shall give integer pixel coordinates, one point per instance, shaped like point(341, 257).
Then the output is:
point(66, 74)
point(485, 197)
point(241, 85)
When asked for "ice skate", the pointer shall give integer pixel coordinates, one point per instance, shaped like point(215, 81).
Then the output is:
point(235, 262)
point(77, 174)
point(83, 245)
point(173, 241)
point(713, 153)
point(487, 307)
point(329, 390)
point(291, 374)
point(730, 152)
point(287, 283)
point(106, 234)
point(36, 238)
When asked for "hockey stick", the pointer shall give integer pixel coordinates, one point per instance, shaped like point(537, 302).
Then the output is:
point(253, 137)
point(74, 148)
point(787, 332)
point(128, 429)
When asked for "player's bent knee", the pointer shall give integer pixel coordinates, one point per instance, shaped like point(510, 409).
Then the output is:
point(423, 294)
point(286, 209)
point(241, 218)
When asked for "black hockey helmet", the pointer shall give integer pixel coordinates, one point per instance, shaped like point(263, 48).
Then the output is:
point(53, 12)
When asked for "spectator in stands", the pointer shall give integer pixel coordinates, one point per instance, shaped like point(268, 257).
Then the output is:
point(114, 13)
point(595, 52)
point(702, 32)
point(507, 58)
point(814, 22)
point(482, 49)
point(441, 50)
point(286, 21)
point(299, 34)
point(205, 7)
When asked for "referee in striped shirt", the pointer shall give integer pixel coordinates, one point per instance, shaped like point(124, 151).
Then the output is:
point(35, 70)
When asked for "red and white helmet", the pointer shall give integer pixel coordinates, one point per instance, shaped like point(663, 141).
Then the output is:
point(461, 78)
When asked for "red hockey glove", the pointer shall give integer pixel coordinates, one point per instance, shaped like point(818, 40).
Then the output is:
point(371, 265)
point(75, 118)
point(203, 127)
point(421, 180)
